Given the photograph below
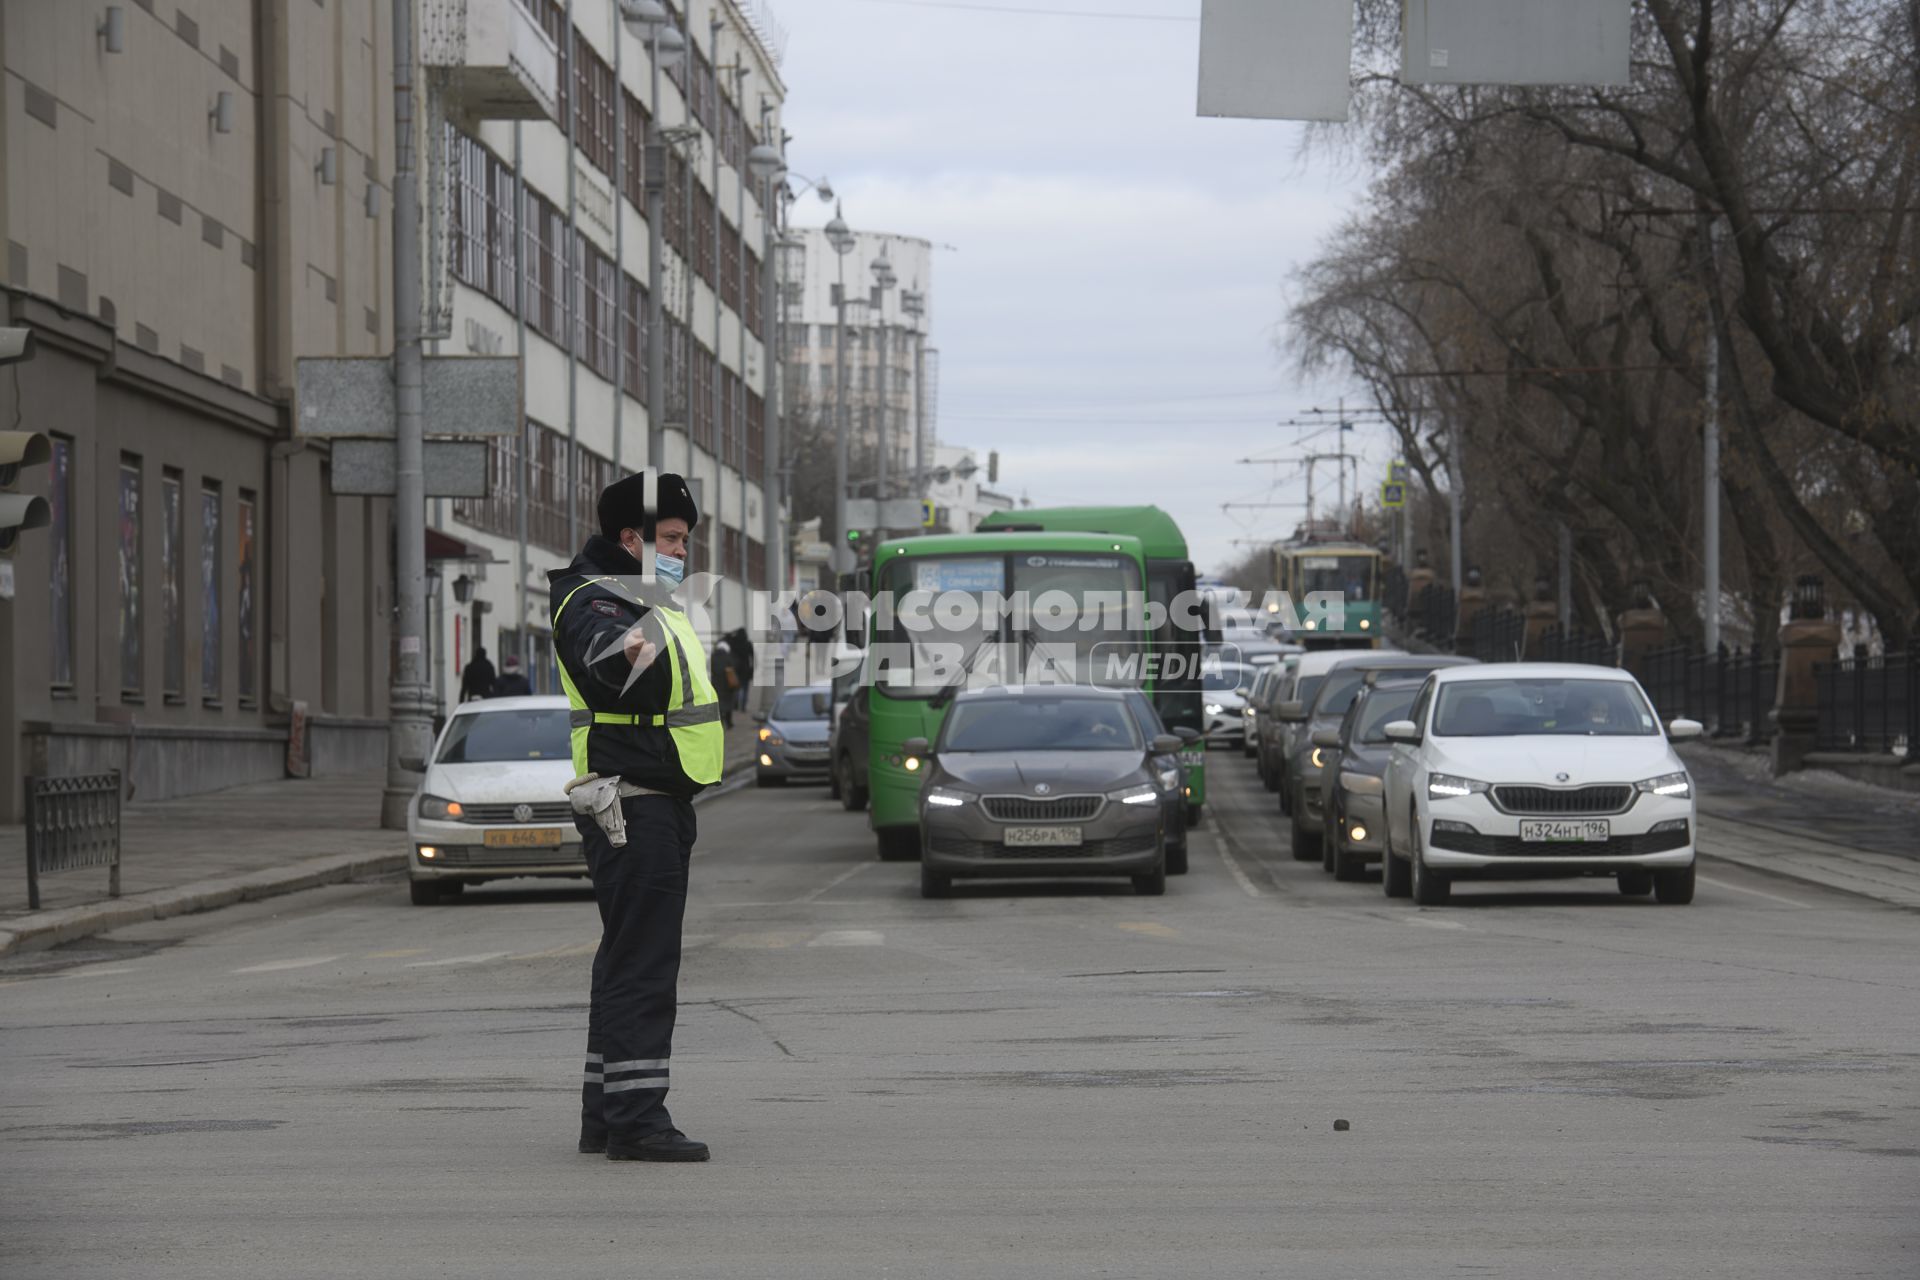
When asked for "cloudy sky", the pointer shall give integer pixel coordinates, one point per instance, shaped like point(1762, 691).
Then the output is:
point(1107, 317)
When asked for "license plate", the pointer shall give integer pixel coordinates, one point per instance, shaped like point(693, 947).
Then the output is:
point(1563, 832)
point(1044, 837)
point(1193, 757)
point(525, 838)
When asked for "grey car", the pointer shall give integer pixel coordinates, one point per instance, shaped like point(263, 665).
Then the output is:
point(1354, 825)
point(1048, 781)
point(1306, 762)
point(791, 743)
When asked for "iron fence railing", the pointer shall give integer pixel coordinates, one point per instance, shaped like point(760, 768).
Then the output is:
point(1558, 644)
point(1868, 704)
point(1498, 635)
point(72, 823)
point(1431, 615)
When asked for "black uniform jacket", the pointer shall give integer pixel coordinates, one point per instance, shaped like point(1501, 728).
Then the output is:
point(587, 641)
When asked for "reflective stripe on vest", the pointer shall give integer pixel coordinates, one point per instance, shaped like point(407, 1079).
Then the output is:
point(693, 710)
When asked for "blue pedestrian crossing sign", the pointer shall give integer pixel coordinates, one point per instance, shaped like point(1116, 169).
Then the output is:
point(1393, 493)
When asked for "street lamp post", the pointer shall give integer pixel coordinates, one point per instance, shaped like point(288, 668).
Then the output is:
point(665, 45)
point(884, 280)
point(913, 304)
point(841, 238)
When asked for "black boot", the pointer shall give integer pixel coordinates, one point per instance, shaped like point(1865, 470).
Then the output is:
point(593, 1141)
point(666, 1145)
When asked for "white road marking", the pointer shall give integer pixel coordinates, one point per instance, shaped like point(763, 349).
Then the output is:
point(1432, 923)
point(276, 966)
point(435, 964)
point(1240, 877)
point(836, 882)
point(1740, 888)
point(101, 971)
point(850, 938)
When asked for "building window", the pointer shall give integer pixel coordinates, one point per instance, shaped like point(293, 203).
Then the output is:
point(173, 581)
point(60, 564)
point(598, 298)
point(210, 592)
point(757, 565)
point(546, 240)
point(756, 434)
point(244, 569)
point(633, 334)
point(635, 176)
point(129, 555)
point(752, 309)
point(498, 512)
point(704, 249)
point(727, 424)
point(730, 267)
point(594, 105)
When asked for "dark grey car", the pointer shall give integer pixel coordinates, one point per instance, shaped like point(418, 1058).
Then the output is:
point(1050, 781)
point(1356, 757)
point(1305, 766)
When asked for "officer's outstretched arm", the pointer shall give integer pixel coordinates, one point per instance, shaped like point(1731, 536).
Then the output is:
point(618, 671)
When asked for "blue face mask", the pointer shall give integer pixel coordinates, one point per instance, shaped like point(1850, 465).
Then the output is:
point(672, 568)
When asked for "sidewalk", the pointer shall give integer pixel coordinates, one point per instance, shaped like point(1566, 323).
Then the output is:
point(198, 853)
point(1814, 826)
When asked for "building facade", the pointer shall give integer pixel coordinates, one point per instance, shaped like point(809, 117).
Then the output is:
point(890, 364)
point(545, 245)
point(186, 209)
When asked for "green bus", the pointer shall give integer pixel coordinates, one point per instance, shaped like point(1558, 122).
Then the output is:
point(911, 672)
point(1350, 570)
point(1178, 697)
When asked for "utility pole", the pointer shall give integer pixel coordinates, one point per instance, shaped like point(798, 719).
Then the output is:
point(1566, 577)
point(1710, 468)
point(1457, 487)
point(655, 180)
point(410, 726)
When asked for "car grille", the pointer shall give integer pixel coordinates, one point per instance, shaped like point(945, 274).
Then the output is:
point(548, 811)
point(1039, 809)
point(1547, 800)
point(1515, 847)
point(481, 856)
point(1111, 847)
point(806, 755)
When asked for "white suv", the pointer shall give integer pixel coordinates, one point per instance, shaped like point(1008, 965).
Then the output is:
point(1535, 771)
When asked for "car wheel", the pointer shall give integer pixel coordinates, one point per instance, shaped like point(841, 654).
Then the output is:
point(1675, 888)
point(1286, 795)
point(769, 780)
point(833, 783)
point(1177, 859)
point(1636, 884)
point(1151, 885)
point(1269, 779)
point(1246, 749)
point(1329, 841)
point(1429, 888)
point(1347, 866)
point(898, 844)
point(853, 796)
point(1395, 876)
point(935, 885)
point(1306, 845)
point(426, 893)
point(1193, 816)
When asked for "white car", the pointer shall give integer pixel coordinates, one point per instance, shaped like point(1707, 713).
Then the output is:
point(493, 804)
point(1537, 770)
point(1224, 690)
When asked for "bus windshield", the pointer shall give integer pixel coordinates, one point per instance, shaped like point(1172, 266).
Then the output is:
point(1350, 575)
point(979, 619)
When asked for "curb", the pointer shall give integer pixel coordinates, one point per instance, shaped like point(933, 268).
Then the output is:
point(66, 924)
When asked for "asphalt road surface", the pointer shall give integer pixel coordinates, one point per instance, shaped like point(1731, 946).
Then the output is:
point(1055, 1081)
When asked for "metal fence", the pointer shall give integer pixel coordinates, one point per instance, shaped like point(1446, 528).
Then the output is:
point(1557, 644)
point(1498, 635)
point(1869, 704)
point(72, 823)
point(1431, 615)
point(1730, 691)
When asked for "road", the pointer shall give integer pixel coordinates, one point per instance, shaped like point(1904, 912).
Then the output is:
point(1033, 1082)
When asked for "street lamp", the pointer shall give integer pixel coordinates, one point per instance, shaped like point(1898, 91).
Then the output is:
point(913, 304)
point(884, 280)
point(665, 47)
point(840, 237)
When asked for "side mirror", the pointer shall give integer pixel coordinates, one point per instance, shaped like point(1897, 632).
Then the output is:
point(1401, 731)
point(1165, 744)
point(1293, 712)
point(1326, 737)
point(1681, 730)
point(1187, 734)
point(916, 747)
point(759, 717)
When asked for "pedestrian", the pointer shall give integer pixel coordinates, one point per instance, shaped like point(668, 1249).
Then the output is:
point(477, 680)
point(646, 740)
point(742, 645)
point(512, 682)
point(726, 679)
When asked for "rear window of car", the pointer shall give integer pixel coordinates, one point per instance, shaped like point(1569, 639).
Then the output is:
point(1041, 724)
point(493, 737)
point(803, 704)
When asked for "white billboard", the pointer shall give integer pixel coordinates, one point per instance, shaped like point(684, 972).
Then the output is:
point(1276, 59)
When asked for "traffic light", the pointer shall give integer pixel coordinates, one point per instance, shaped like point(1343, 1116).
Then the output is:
point(19, 450)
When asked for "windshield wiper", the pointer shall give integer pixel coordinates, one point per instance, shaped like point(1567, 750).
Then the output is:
point(949, 691)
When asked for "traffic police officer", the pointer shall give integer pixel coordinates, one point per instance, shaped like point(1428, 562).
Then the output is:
point(646, 738)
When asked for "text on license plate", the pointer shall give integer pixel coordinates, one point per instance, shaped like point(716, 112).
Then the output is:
point(524, 838)
point(1563, 832)
point(1192, 758)
point(1045, 837)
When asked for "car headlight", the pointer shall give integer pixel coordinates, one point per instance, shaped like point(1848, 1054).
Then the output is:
point(1361, 784)
point(1169, 779)
point(1214, 708)
point(1444, 786)
point(440, 809)
point(1312, 624)
point(1678, 785)
point(1142, 794)
point(1366, 624)
point(948, 798)
point(765, 734)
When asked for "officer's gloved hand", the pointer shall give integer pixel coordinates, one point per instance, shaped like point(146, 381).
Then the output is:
point(640, 651)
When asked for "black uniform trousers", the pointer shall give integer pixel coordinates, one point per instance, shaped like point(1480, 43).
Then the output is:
point(642, 891)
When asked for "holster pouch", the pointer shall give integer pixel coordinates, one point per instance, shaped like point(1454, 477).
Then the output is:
point(600, 798)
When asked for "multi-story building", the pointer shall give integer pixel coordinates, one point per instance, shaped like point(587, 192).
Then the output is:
point(185, 202)
point(890, 368)
point(546, 248)
point(958, 489)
